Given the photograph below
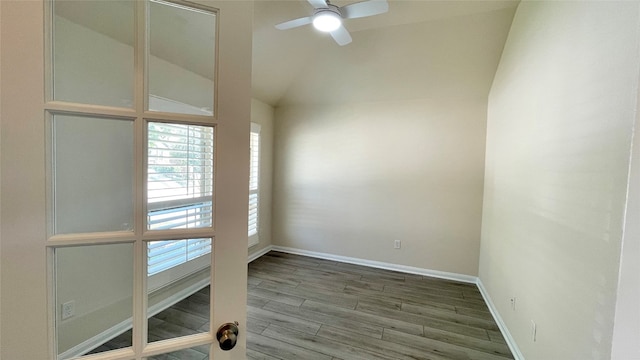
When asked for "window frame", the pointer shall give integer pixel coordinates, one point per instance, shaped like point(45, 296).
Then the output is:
point(254, 177)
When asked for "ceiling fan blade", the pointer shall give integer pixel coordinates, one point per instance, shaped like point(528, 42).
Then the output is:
point(294, 23)
point(318, 3)
point(365, 8)
point(341, 36)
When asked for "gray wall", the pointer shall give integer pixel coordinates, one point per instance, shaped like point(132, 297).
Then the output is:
point(560, 119)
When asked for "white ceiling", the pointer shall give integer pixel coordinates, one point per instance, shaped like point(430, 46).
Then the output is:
point(416, 43)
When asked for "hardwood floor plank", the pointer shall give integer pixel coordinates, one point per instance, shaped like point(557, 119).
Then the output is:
point(256, 355)
point(417, 314)
point(283, 320)
point(487, 346)
point(277, 296)
point(496, 336)
point(381, 302)
point(182, 318)
point(450, 351)
point(285, 279)
point(166, 330)
point(321, 345)
point(366, 285)
point(275, 347)
point(369, 318)
point(450, 316)
point(308, 291)
point(326, 274)
point(434, 322)
point(256, 325)
point(256, 301)
point(412, 294)
point(481, 314)
point(274, 266)
point(252, 280)
point(382, 347)
point(194, 305)
point(323, 318)
point(368, 294)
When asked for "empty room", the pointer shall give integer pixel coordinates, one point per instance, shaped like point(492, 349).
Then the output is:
point(241, 180)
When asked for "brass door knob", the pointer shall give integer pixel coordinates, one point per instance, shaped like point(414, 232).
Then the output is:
point(228, 335)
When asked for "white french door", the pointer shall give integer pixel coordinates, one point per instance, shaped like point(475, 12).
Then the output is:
point(123, 137)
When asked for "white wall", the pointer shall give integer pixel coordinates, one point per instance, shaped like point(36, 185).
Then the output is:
point(627, 319)
point(263, 114)
point(560, 118)
point(101, 197)
point(351, 179)
point(400, 158)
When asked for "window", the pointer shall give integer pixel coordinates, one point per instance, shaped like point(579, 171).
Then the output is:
point(254, 184)
point(180, 190)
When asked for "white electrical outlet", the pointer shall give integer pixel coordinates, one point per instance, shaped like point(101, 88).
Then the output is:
point(397, 244)
point(68, 309)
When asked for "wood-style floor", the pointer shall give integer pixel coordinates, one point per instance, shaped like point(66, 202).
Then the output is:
point(304, 308)
point(307, 308)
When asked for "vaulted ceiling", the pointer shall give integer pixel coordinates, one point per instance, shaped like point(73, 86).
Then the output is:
point(418, 49)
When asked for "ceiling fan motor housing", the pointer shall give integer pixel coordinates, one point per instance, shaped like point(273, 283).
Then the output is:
point(330, 8)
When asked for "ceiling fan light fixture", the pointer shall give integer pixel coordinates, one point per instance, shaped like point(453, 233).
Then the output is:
point(326, 21)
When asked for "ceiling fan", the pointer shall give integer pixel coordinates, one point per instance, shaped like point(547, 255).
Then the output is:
point(328, 17)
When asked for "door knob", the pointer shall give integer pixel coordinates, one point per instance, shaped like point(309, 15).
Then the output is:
point(228, 335)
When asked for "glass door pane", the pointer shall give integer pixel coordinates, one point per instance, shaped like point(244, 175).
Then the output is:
point(92, 174)
point(181, 59)
point(94, 298)
point(179, 276)
point(179, 176)
point(93, 54)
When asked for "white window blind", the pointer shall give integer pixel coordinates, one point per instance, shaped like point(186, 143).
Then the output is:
point(179, 191)
point(254, 184)
point(170, 253)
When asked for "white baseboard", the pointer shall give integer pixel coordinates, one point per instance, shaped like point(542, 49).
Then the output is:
point(96, 341)
point(380, 265)
point(419, 271)
point(257, 254)
point(125, 325)
point(178, 296)
point(503, 327)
